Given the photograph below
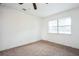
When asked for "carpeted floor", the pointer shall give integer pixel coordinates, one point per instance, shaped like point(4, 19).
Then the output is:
point(41, 48)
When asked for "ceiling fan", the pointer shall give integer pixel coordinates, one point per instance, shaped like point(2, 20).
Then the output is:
point(34, 5)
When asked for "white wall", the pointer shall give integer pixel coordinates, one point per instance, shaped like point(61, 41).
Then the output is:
point(69, 40)
point(0, 27)
point(17, 28)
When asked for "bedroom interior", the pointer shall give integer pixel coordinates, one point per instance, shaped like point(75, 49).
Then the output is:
point(39, 29)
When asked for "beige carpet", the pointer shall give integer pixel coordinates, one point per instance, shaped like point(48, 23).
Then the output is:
point(41, 48)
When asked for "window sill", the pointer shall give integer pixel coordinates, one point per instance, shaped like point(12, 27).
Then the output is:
point(60, 33)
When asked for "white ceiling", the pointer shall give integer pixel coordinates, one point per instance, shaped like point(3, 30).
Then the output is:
point(43, 9)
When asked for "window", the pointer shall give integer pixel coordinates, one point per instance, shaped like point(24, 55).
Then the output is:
point(61, 25)
point(52, 28)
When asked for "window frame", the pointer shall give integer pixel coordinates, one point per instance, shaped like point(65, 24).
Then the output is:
point(58, 32)
point(52, 26)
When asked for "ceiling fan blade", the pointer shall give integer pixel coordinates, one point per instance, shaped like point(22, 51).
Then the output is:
point(20, 3)
point(34, 5)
